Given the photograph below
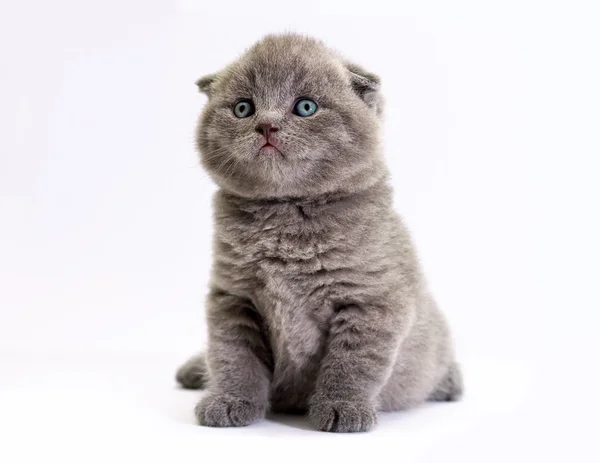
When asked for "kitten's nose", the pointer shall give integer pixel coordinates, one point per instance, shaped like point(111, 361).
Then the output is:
point(266, 128)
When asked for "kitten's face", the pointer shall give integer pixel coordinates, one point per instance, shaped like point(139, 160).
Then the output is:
point(289, 119)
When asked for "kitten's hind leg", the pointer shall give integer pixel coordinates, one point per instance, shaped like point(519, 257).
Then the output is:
point(450, 388)
point(193, 374)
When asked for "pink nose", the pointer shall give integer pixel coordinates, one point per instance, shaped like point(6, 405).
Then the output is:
point(266, 128)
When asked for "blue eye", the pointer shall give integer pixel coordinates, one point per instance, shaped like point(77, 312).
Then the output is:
point(305, 107)
point(243, 108)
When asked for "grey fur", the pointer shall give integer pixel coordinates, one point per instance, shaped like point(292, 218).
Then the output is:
point(193, 374)
point(317, 302)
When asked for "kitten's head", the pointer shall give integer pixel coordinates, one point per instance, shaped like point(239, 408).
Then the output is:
point(290, 118)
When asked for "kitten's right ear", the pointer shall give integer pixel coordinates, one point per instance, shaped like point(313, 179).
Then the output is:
point(366, 85)
point(207, 83)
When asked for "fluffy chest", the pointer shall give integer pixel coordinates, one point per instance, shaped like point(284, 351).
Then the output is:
point(295, 294)
point(288, 262)
point(296, 263)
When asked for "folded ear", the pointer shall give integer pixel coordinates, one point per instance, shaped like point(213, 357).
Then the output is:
point(207, 83)
point(366, 85)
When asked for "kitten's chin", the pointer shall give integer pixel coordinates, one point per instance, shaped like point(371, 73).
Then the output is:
point(261, 189)
point(267, 173)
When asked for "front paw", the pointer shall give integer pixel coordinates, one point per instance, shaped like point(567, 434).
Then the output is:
point(342, 415)
point(226, 411)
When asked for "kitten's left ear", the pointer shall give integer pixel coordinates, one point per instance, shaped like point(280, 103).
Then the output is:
point(207, 83)
point(366, 85)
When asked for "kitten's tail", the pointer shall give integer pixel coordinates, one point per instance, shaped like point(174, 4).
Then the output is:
point(450, 389)
point(193, 374)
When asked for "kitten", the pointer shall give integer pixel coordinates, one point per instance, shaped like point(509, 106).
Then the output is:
point(317, 303)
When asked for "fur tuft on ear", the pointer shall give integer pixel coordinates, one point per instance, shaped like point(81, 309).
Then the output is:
point(366, 85)
point(206, 84)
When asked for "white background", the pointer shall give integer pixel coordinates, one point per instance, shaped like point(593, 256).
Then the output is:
point(492, 136)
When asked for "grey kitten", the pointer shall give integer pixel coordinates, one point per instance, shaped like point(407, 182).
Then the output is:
point(317, 303)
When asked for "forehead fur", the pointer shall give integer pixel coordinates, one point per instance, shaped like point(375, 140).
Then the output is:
point(290, 63)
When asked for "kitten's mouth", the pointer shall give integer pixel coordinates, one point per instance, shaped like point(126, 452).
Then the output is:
point(269, 149)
